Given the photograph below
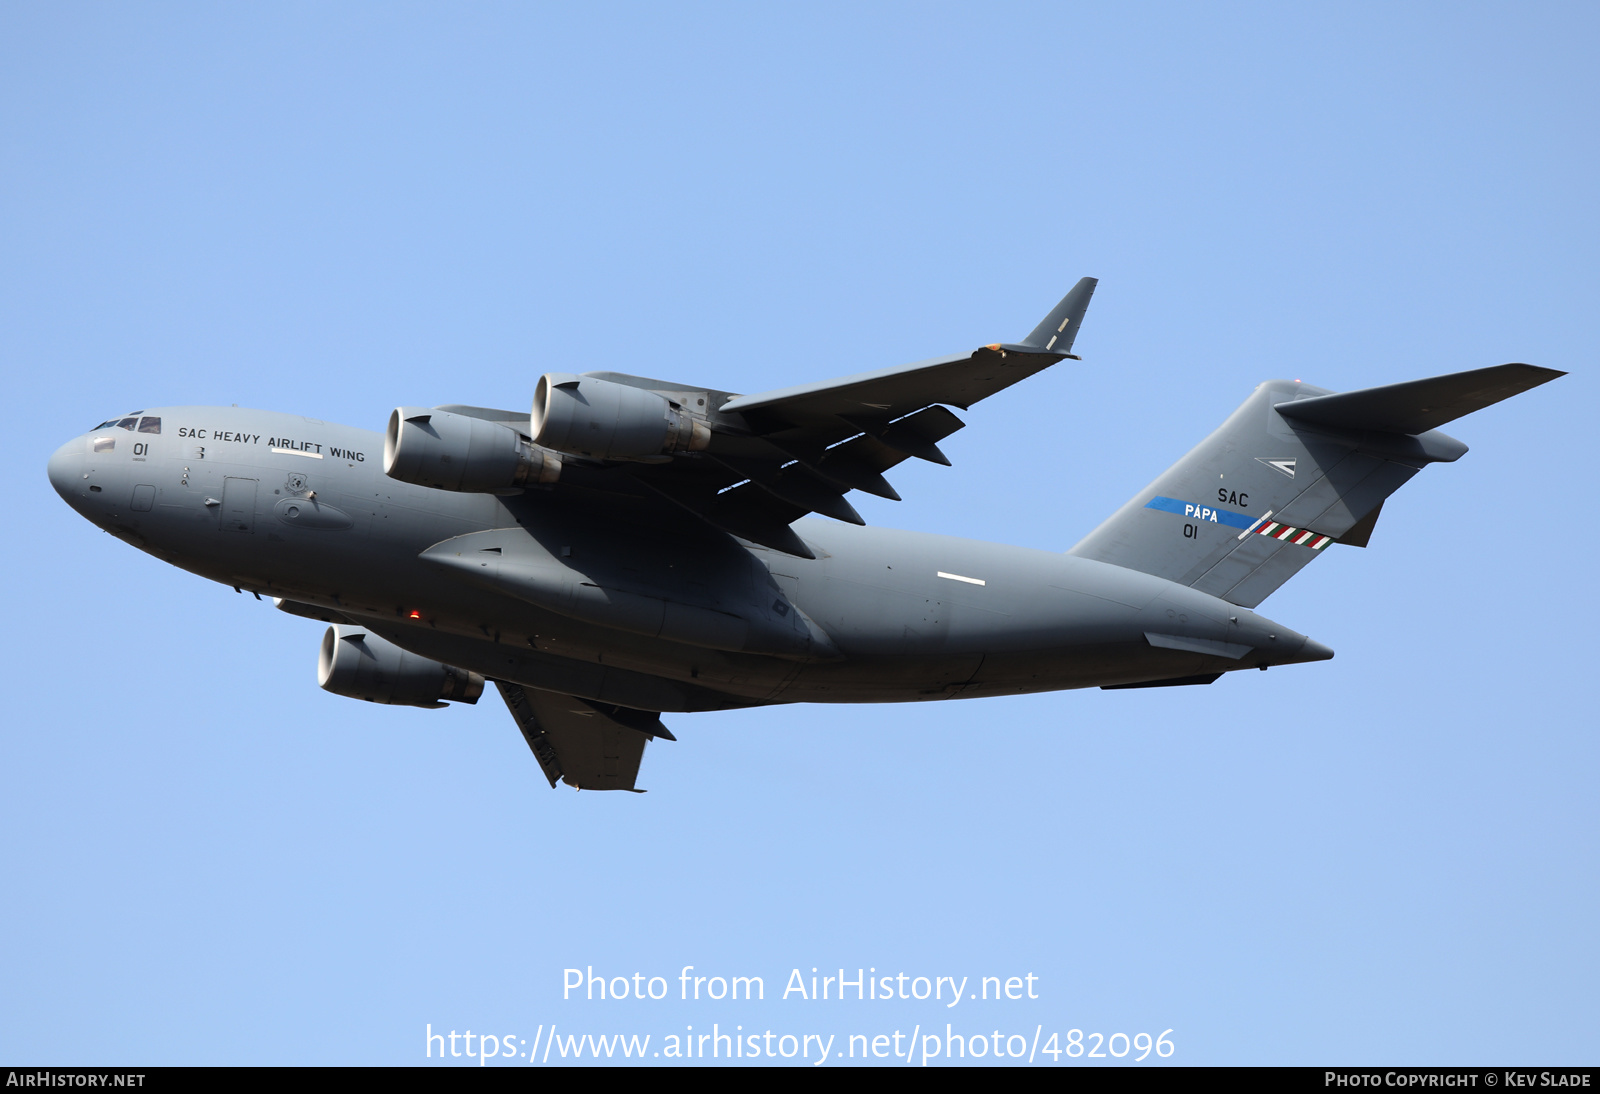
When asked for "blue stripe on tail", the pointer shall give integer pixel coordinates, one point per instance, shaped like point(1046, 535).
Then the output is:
point(1200, 512)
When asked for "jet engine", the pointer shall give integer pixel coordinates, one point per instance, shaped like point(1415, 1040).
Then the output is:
point(605, 420)
point(457, 452)
point(359, 665)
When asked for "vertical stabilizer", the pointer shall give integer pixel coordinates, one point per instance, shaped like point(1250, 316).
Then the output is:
point(1294, 470)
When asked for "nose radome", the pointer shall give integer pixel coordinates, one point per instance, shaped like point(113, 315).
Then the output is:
point(1314, 651)
point(66, 469)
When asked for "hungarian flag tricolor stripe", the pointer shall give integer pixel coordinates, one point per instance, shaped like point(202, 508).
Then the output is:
point(1303, 537)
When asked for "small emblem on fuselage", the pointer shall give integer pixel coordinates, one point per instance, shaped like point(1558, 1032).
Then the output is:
point(1281, 464)
point(295, 483)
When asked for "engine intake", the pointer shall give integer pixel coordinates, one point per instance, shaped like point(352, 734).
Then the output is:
point(457, 452)
point(610, 421)
point(359, 665)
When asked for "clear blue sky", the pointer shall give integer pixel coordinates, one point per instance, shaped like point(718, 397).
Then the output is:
point(336, 209)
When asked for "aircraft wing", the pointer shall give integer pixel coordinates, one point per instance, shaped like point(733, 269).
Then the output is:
point(590, 746)
point(778, 455)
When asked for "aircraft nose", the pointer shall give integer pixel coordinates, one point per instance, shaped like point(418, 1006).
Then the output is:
point(1315, 651)
point(66, 469)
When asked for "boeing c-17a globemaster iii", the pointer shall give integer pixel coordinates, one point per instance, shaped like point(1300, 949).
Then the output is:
point(637, 546)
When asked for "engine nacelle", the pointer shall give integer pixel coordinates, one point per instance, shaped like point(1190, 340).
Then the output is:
point(358, 664)
point(457, 452)
point(606, 420)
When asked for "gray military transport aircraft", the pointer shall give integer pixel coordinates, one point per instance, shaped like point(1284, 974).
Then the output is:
point(635, 546)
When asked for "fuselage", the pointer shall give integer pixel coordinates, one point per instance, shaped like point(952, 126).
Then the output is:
point(301, 510)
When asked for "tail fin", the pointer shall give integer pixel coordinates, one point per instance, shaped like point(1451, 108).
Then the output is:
point(1293, 470)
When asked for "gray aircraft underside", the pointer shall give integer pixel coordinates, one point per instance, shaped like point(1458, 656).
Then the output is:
point(636, 546)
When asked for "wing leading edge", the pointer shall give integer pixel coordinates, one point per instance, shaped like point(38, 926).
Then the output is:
point(959, 379)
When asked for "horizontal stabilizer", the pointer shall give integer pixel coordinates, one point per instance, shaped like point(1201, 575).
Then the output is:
point(1418, 405)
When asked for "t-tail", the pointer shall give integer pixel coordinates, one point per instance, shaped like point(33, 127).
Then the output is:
point(1293, 470)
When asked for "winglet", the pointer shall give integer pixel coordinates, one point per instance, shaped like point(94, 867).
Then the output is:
point(1058, 330)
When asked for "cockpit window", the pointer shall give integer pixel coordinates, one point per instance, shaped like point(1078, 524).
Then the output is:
point(128, 424)
point(149, 425)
